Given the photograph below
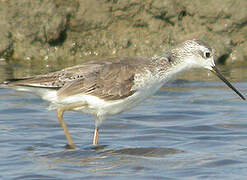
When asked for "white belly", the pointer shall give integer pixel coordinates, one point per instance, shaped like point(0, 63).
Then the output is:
point(101, 109)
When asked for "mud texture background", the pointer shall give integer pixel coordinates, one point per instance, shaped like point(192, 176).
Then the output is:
point(62, 30)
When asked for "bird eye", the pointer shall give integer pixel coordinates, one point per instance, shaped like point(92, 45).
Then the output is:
point(207, 54)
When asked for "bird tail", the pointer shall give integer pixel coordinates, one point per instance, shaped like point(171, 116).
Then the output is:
point(12, 82)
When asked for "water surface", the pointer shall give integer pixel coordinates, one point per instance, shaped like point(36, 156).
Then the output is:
point(193, 128)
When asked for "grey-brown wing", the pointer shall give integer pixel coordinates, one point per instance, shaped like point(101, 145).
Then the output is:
point(57, 79)
point(111, 82)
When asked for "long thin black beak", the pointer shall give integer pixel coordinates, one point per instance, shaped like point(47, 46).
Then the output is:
point(217, 73)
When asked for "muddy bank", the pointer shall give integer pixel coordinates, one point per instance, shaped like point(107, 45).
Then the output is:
point(62, 31)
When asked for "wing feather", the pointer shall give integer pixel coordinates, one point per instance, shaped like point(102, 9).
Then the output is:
point(112, 82)
point(109, 79)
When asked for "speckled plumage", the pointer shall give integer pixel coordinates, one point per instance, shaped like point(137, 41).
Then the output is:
point(108, 79)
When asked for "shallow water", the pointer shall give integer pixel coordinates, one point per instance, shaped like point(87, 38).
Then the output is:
point(189, 130)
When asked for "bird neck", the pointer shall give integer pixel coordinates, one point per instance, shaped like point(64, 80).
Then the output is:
point(170, 65)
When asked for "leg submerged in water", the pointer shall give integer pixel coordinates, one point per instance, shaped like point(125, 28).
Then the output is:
point(65, 129)
point(60, 112)
point(95, 137)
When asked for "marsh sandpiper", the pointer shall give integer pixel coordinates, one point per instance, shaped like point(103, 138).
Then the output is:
point(111, 86)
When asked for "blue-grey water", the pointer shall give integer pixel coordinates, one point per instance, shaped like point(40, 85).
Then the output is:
point(188, 130)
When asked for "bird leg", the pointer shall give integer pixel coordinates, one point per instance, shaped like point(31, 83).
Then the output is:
point(65, 129)
point(95, 137)
point(60, 112)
